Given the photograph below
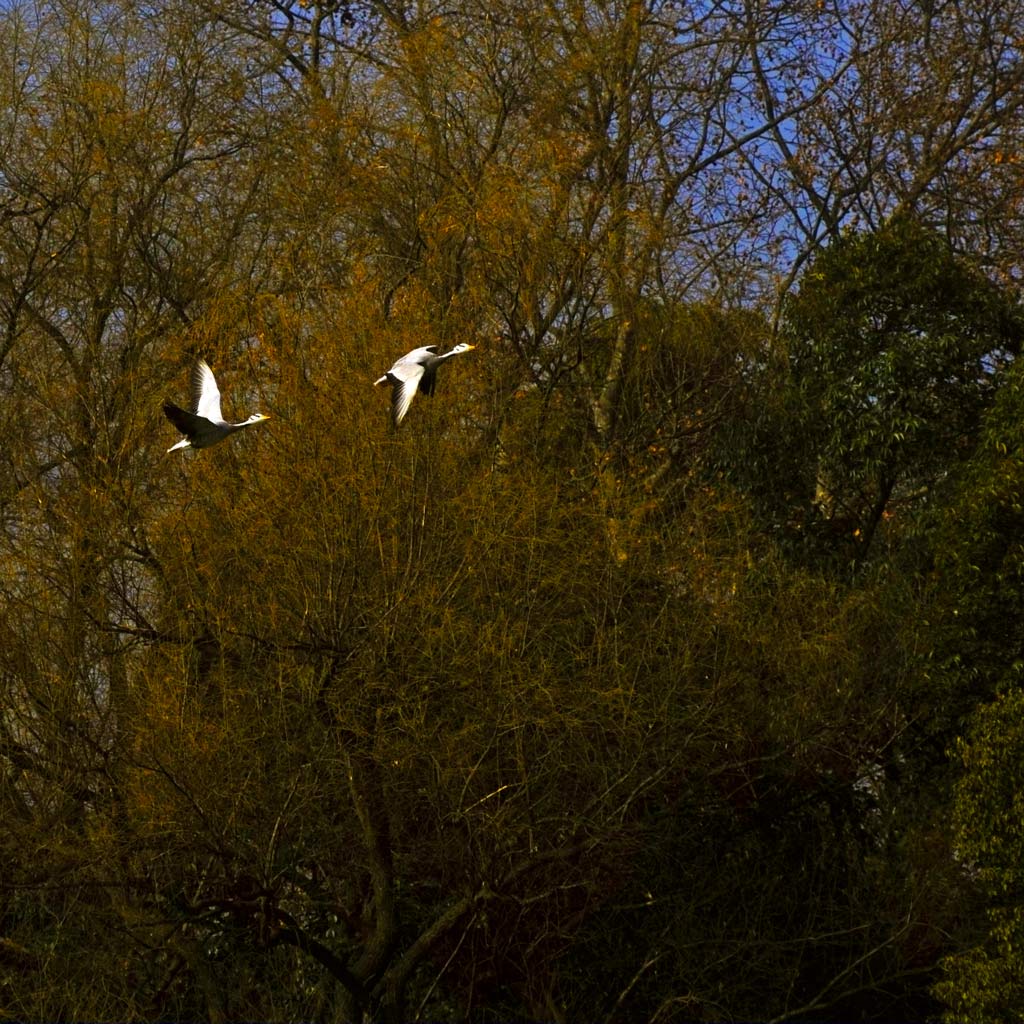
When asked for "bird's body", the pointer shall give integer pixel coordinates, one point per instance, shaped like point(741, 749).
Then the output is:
point(416, 370)
point(204, 425)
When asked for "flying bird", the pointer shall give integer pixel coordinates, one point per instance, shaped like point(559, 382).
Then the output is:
point(204, 425)
point(416, 369)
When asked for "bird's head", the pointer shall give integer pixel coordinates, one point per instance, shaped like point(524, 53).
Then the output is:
point(463, 346)
point(257, 417)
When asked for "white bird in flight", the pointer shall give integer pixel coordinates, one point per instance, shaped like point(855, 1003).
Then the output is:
point(204, 425)
point(416, 369)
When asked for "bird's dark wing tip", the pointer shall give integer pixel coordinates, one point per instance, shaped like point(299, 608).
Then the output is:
point(428, 382)
point(177, 416)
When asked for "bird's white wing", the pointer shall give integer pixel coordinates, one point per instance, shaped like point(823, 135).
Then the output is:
point(406, 368)
point(205, 393)
point(405, 379)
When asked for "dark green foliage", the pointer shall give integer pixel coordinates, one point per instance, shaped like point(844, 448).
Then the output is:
point(983, 981)
point(977, 608)
point(889, 355)
point(980, 602)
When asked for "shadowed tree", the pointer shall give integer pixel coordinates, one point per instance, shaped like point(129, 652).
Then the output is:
point(889, 355)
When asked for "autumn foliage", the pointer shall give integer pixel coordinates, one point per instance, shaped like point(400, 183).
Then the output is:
point(663, 666)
